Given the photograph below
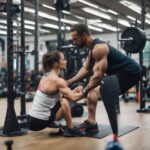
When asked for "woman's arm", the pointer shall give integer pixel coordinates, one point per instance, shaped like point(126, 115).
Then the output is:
point(67, 92)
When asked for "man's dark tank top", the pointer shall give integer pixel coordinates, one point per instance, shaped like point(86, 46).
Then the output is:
point(117, 62)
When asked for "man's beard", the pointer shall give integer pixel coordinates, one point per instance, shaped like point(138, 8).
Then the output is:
point(81, 45)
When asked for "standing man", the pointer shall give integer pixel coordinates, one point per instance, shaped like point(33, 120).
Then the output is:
point(101, 59)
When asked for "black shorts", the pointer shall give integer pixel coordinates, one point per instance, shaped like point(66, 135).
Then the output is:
point(127, 81)
point(36, 124)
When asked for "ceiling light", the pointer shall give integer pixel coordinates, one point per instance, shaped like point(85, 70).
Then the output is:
point(98, 23)
point(112, 12)
point(79, 17)
point(97, 7)
point(3, 27)
point(26, 32)
point(97, 13)
point(29, 33)
point(66, 28)
point(14, 32)
point(66, 12)
point(3, 32)
point(53, 26)
point(95, 28)
point(16, 2)
point(73, 1)
point(43, 30)
point(103, 9)
point(135, 8)
point(29, 10)
point(45, 15)
point(134, 19)
point(3, 21)
point(42, 14)
point(88, 3)
point(147, 21)
point(15, 24)
point(108, 27)
point(27, 21)
point(131, 5)
point(148, 15)
point(4, 13)
point(49, 7)
point(52, 8)
point(69, 21)
point(124, 22)
point(29, 27)
point(93, 21)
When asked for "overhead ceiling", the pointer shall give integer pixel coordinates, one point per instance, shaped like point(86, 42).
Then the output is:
point(102, 16)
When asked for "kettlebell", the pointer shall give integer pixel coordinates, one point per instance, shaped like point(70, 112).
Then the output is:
point(77, 109)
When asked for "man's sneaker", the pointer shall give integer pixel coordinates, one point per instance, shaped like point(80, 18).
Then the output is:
point(88, 127)
point(73, 132)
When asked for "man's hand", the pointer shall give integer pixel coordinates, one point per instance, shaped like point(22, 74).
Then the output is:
point(68, 83)
point(78, 89)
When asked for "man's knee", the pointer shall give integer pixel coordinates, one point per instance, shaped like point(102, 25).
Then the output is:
point(93, 96)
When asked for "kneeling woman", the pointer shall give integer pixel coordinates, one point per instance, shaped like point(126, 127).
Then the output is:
point(51, 99)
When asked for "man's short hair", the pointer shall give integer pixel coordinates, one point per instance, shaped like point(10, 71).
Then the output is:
point(80, 28)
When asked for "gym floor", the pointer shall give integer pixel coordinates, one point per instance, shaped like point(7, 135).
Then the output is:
point(138, 139)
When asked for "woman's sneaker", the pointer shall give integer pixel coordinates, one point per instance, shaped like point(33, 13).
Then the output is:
point(73, 132)
point(88, 127)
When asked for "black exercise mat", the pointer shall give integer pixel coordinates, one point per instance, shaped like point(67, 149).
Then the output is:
point(105, 130)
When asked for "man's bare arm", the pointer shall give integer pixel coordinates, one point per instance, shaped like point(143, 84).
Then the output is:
point(81, 73)
point(100, 55)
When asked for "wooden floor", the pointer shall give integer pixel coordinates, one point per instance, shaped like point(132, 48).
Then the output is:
point(138, 139)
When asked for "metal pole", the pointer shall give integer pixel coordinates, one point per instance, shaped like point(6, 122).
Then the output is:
point(143, 12)
point(23, 105)
point(10, 51)
point(118, 44)
point(142, 91)
point(17, 59)
point(142, 100)
point(36, 42)
point(59, 34)
point(11, 126)
point(60, 15)
point(36, 45)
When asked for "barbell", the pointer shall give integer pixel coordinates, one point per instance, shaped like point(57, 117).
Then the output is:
point(133, 40)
